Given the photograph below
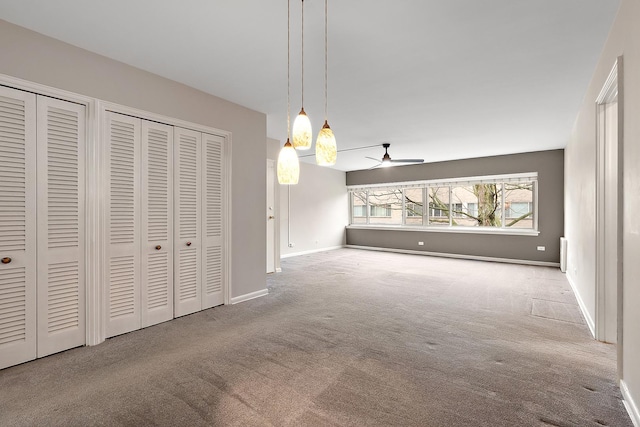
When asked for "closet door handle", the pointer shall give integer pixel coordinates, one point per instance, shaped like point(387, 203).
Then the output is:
point(158, 247)
point(6, 260)
point(188, 243)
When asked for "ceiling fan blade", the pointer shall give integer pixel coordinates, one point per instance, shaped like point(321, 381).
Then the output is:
point(407, 161)
point(371, 158)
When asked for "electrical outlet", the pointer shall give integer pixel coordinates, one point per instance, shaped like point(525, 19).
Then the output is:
point(541, 248)
point(420, 243)
point(291, 245)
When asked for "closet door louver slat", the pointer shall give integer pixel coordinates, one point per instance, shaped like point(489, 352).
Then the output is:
point(17, 227)
point(61, 300)
point(123, 224)
point(188, 221)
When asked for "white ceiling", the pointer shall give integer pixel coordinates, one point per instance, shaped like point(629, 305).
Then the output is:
point(439, 79)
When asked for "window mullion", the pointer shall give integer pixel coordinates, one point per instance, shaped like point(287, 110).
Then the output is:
point(367, 207)
point(503, 213)
point(450, 206)
point(404, 213)
point(425, 206)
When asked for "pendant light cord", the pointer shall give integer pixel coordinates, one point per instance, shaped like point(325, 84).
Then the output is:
point(288, 69)
point(302, 55)
point(326, 67)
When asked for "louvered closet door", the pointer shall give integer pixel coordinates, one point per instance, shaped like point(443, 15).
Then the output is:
point(213, 254)
point(122, 266)
point(188, 218)
point(17, 227)
point(61, 289)
point(157, 224)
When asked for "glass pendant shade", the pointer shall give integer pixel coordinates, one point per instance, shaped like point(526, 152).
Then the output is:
point(302, 134)
point(326, 148)
point(288, 165)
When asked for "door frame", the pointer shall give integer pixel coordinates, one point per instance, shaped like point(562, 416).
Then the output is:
point(611, 92)
point(271, 169)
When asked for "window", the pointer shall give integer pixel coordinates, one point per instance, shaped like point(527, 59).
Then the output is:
point(518, 205)
point(413, 209)
point(385, 206)
point(360, 210)
point(413, 206)
point(472, 208)
point(499, 202)
point(438, 205)
point(359, 207)
point(517, 209)
point(477, 205)
point(381, 210)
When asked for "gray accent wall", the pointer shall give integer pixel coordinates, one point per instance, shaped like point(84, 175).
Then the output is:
point(550, 168)
point(624, 39)
point(36, 58)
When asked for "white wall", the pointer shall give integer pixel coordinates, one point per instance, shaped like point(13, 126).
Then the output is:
point(31, 56)
point(318, 211)
point(624, 40)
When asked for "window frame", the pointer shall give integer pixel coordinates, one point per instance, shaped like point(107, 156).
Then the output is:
point(426, 212)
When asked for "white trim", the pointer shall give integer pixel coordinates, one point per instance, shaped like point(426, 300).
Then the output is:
point(510, 177)
point(629, 404)
point(312, 251)
point(147, 115)
point(609, 90)
point(278, 270)
point(457, 256)
point(249, 296)
point(583, 308)
point(228, 216)
point(449, 229)
point(94, 214)
point(40, 89)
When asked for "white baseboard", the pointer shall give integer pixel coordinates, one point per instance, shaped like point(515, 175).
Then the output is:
point(247, 297)
point(312, 251)
point(630, 404)
point(583, 308)
point(458, 256)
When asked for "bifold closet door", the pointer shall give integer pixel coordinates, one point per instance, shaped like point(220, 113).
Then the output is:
point(60, 216)
point(157, 224)
point(123, 266)
point(213, 253)
point(188, 221)
point(17, 227)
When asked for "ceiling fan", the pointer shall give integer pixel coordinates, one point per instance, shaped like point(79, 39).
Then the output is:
point(388, 161)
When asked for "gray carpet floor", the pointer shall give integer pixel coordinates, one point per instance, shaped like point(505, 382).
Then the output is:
point(344, 338)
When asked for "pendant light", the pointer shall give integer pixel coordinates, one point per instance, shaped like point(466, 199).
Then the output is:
point(302, 133)
point(326, 149)
point(288, 169)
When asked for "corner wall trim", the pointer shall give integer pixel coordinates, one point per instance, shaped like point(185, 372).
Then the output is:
point(312, 251)
point(247, 297)
point(458, 256)
point(630, 404)
point(583, 308)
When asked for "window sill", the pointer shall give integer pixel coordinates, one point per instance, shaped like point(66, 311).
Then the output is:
point(448, 229)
